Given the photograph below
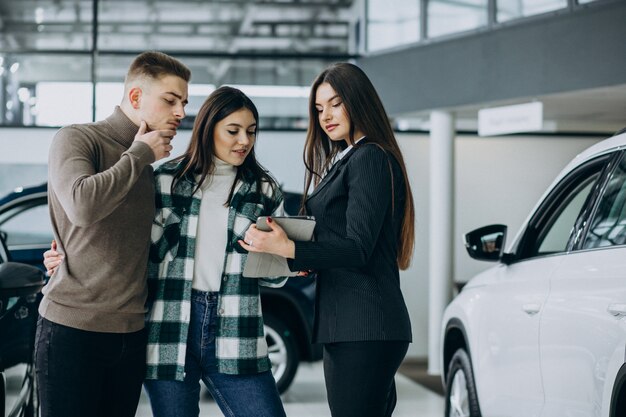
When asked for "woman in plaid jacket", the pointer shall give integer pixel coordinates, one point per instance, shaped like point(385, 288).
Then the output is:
point(205, 319)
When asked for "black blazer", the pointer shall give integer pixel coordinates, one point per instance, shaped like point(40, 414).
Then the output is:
point(355, 249)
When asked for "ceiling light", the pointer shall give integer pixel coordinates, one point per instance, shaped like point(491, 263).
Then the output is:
point(23, 94)
point(39, 15)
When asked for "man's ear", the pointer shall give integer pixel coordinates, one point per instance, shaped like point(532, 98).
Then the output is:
point(134, 96)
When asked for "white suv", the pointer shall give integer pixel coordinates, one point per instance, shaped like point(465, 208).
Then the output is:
point(543, 333)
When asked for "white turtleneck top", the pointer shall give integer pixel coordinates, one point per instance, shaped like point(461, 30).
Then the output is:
point(213, 228)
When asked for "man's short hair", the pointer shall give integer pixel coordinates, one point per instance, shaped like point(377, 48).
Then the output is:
point(155, 65)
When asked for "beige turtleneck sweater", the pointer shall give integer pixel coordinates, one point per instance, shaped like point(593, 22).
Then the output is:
point(213, 228)
point(101, 199)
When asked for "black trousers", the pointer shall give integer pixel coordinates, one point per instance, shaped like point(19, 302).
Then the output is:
point(82, 373)
point(360, 377)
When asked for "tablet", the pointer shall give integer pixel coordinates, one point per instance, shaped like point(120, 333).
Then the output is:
point(296, 227)
point(263, 265)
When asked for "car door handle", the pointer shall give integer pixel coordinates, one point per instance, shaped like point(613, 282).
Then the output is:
point(531, 308)
point(617, 309)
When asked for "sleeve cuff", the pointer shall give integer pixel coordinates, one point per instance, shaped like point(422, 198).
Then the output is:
point(296, 263)
point(142, 152)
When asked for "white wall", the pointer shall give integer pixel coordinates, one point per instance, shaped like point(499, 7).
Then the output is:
point(498, 180)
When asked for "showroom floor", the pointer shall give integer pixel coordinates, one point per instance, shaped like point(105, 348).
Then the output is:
point(307, 397)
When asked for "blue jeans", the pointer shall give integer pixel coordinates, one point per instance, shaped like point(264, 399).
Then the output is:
point(253, 395)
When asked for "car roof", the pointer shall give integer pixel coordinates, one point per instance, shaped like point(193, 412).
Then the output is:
point(21, 192)
point(605, 146)
point(612, 144)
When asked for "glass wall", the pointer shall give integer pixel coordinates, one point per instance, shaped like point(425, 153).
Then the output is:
point(446, 17)
point(224, 27)
point(402, 22)
point(392, 26)
point(60, 25)
point(62, 61)
point(45, 89)
point(279, 89)
point(514, 9)
point(45, 65)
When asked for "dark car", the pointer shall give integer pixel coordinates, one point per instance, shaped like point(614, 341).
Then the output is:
point(287, 311)
point(19, 297)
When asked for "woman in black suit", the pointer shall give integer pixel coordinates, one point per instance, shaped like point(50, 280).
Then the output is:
point(364, 234)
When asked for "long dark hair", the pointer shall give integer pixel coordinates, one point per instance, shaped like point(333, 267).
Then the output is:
point(366, 113)
point(198, 158)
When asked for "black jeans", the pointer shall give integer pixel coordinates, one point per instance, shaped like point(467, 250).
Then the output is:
point(360, 377)
point(82, 373)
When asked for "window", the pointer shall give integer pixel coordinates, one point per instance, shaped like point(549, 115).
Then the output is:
point(514, 9)
point(559, 221)
point(55, 54)
point(446, 17)
point(392, 26)
point(558, 233)
point(27, 225)
point(62, 25)
point(608, 227)
point(4, 254)
point(45, 90)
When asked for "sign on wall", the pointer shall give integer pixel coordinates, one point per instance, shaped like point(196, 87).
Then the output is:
point(518, 118)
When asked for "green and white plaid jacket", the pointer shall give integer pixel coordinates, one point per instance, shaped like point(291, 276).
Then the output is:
point(240, 342)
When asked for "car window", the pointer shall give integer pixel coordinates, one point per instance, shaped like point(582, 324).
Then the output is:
point(558, 234)
point(27, 226)
point(4, 254)
point(608, 225)
point(560, 218)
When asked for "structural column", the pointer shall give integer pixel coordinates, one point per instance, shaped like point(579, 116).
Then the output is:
point(441, 221)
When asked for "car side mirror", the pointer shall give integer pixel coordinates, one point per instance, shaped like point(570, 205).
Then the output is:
point(486, 243)
point(18, 279)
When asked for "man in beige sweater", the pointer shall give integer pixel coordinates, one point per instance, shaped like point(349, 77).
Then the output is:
point(90, 347)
